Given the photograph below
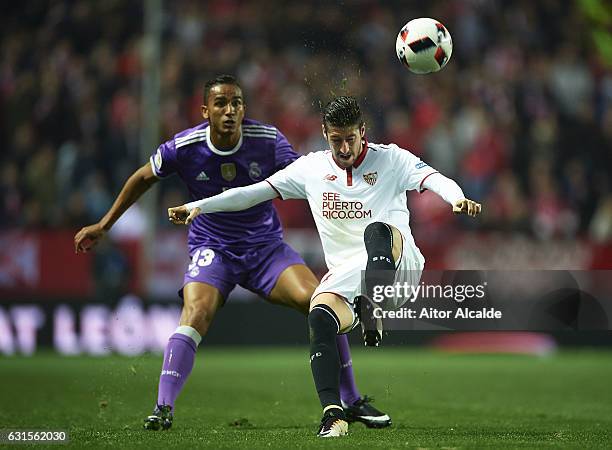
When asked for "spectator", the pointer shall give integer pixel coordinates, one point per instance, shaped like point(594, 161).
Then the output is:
point(519, 90)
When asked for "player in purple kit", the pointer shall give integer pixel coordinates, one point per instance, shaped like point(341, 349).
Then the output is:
point(226, 249)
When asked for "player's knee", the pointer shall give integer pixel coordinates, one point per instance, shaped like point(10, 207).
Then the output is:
point(322, 323)
point(378, 238)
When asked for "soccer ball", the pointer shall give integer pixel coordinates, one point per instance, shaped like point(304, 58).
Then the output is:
point(424, 45)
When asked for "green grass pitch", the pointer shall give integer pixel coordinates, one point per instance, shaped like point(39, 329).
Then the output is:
point(264, 398)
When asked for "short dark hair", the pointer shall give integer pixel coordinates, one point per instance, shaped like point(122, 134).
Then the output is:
point(343, 111)
point(221, 79)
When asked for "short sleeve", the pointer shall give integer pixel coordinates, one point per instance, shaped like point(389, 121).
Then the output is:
point(283, 152)
point(290, 182)
point(163, 162)
point(411, 170)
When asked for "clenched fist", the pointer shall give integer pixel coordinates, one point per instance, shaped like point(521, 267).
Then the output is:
point(179, 215)
point(467, 206)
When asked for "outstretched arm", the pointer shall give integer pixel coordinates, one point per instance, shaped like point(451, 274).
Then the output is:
point(236, 199)
point(138, 183)
point(451, 193)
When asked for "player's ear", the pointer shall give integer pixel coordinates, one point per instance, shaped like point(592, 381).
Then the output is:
point(205, 111)
point(324, 131)
point(362, 130)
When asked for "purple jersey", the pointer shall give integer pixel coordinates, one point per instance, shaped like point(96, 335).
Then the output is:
point(261, 151)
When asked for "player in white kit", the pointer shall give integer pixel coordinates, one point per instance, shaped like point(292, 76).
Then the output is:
point(357, 194)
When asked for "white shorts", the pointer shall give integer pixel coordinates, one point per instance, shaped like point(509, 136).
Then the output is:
point(345, 279)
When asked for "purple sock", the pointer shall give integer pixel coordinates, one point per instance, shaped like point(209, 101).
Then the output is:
point(178, 362)
point(348, 389)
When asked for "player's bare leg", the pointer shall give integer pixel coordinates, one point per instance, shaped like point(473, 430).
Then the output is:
point(383, 244)
point(201, 302)
point(294, 288)
point(329, 315)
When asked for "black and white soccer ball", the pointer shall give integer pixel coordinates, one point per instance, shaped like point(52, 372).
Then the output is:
point(424, 45)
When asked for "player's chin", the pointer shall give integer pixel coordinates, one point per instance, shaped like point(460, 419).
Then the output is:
point(229, 127)
point(345, 162)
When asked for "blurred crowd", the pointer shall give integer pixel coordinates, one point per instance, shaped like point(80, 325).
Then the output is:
point(521, 117)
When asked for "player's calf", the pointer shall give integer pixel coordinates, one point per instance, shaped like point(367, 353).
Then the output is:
point(323, 324)
point(380, 271)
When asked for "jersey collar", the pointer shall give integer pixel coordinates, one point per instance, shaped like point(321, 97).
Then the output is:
point(222, 152)
point(362, 155)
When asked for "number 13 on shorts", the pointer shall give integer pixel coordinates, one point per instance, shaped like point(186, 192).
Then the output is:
point(202, 258)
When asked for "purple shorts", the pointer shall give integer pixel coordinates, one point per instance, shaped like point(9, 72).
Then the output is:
point(257, 269)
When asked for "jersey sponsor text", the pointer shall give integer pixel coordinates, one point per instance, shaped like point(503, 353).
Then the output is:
point(335, 208)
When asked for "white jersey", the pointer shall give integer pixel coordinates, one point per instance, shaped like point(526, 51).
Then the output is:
point(343, 202)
